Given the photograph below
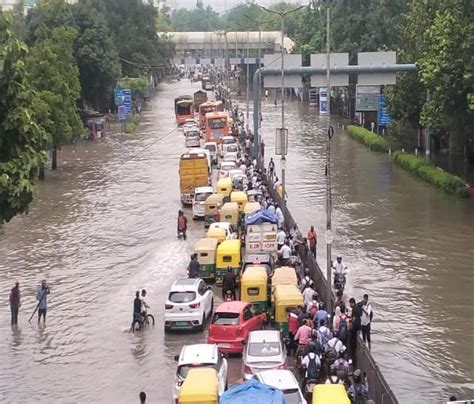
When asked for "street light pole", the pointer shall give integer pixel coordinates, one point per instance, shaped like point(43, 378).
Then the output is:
point(248, 84)
point(328, 161)
point(283, 156)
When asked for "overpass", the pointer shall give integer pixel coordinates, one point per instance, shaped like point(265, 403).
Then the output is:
point(240, 47)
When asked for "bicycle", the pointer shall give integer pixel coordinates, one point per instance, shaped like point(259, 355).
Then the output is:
point(142, 323)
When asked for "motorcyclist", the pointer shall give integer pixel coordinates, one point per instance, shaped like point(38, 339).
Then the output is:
point(340, 270)
point(182, 224)
point(229, 283)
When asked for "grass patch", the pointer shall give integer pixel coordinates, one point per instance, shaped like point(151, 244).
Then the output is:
point(427, 171)
point(370, 139)
point(131, 125)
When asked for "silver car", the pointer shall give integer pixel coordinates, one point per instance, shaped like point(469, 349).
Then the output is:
point(264, 351)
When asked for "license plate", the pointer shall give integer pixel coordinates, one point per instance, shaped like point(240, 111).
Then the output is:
point(223, 345)
point(181, 323)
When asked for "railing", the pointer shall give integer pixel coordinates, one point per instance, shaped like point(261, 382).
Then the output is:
point(379, 390)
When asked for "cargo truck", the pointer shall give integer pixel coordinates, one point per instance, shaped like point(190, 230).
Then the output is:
point(193, 173)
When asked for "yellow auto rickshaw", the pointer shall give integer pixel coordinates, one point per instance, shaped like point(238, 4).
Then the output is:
point(224, 187)
point(330, 394)
point(241, 198)
point(213, 202)
point(253, 287)
point(218, 233)
point(230, 213)
point(199, 387)
point(205, 249)
point(228, 255)
point(286, 298)
point(284, 276)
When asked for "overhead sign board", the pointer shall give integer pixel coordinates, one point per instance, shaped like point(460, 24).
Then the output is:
point(378, 59)
point(274, 61)
point(367, 98)
point(336, 60)
point(383, 116)
point(118, 95)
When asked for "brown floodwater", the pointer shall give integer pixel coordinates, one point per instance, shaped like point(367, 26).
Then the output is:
point(103, 226)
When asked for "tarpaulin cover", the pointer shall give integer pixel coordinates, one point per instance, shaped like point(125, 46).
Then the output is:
point(261, 216)
point(252, 391)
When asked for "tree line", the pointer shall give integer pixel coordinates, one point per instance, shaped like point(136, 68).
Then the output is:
point(55, 60)
point(437, 35)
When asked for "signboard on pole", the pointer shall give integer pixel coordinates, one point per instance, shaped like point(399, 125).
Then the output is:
point(323, 100)
point(127, 101)
point(122, 114)
point(274, 62)
point(336, 60)
point(367, 98)
point(376, 59)
point(383, 116)
point(281, 142)
point(118, 95)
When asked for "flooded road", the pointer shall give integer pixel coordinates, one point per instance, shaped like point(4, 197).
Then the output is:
point(407, 244)
point(104, 226)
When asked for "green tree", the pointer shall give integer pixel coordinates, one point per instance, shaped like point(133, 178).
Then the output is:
point(53, 73)
point(22, 139)
point(96, 56)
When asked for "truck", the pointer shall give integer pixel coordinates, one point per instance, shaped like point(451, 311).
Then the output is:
point(193, 173)
point(200, 97)
point(261, 232)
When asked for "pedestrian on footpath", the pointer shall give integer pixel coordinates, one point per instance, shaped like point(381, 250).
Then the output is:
point(356, 313)
point(312, 240)
point(366, 319)
point(42, 297)
point(271, 168)
point(15, 302)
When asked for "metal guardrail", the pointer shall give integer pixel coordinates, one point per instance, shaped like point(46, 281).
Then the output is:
point(379, 390)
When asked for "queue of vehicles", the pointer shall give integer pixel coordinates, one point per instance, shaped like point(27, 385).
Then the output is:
point(242, 237)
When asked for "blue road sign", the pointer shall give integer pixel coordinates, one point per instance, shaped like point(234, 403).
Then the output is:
point(122, 113)
point(198, 61)
point(383, 116)
point(242, 61)
point(118, 95)
point(213, 61)
point(127, 101)
point(323, 100)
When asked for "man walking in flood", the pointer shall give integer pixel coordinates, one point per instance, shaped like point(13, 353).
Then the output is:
point(15, 302)
point(42, 297)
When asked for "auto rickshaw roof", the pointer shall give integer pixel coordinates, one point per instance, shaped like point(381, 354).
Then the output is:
point(255, 272)
point(330, 394)
point(289, 294)
point(238, 196)
point(215, 198)
point(216, 232)
point(284, 276)
point(224, 181)
point(207, 243)
point(200, 385)
point(251, 207)
point(229, 246)
point(230, 206)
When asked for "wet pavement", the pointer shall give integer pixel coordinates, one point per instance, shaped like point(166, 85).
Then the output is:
point(103, 226)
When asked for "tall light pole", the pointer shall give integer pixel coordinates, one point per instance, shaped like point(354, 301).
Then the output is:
point(282, 15)
point(329, 133)
point(248, 83)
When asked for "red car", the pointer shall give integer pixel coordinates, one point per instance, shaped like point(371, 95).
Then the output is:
point(231, 324)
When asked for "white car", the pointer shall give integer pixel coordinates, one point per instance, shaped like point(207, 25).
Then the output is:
point(284, 380)
point(192, 138)
point(189, 304)
point(233, 148)
point(229, 230)
point(264, 350)
point(212, 147)
point(226, 141)
point(201, 356)
point(225, 167)
point(230, 157)
point(200, 196)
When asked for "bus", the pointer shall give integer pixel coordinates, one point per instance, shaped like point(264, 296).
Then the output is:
point(183, 108)
point(204, 108)
point(217, 126)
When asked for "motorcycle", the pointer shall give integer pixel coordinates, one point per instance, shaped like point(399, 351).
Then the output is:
point(181, 234)
point(229, 297)
point(339, 281)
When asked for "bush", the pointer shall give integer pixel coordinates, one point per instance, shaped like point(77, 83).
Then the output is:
point(370, 139)
point(449, 183)
point(131, 125)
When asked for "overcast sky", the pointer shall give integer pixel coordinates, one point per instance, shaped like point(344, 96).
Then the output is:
point(221, 5)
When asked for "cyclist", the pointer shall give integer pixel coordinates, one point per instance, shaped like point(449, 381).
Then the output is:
point(137, 309)
point(144, 305)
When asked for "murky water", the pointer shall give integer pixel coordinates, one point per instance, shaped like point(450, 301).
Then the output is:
point(104, 226)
